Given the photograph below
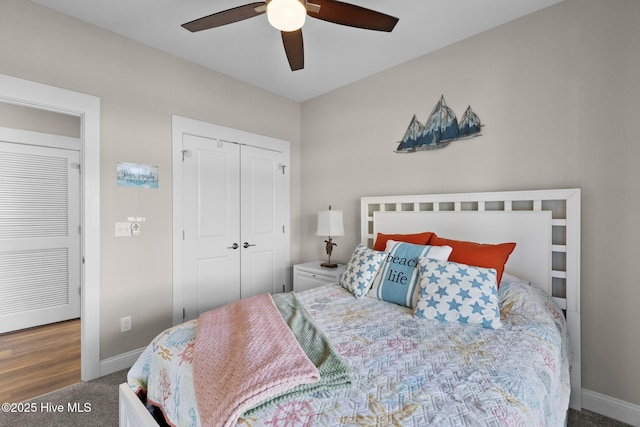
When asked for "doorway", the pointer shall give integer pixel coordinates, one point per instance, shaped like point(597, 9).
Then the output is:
point(39, 252)
point(86, 108)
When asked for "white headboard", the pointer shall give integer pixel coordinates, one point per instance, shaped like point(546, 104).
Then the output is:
point(531, 262)
point(545, 224)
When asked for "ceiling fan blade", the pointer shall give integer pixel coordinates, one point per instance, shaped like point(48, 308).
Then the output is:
point(352, 15)
point(294, 48)
point(225, 17)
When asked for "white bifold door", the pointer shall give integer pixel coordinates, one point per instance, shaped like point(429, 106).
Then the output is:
point(39, 231)
point(233, 219)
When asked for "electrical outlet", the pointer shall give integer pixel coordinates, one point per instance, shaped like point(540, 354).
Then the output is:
point(125, 324)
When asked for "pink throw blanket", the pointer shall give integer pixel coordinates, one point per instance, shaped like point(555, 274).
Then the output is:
point(244, 354)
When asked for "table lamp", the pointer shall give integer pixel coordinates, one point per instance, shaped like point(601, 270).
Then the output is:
point(329, 224)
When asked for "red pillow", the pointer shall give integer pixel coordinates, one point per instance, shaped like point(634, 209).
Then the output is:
point(418, 239)
point(477, 254)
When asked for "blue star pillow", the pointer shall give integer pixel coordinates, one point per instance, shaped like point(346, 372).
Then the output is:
point(454, 292)
point(361, 270)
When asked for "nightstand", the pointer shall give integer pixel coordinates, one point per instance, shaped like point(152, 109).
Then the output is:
point(311, 274)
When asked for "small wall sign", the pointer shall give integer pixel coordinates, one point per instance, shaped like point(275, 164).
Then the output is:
point(137, 175)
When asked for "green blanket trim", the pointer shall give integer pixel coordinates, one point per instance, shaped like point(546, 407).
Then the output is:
point(335, 374)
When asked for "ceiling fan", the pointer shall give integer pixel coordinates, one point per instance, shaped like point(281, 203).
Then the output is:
point(288, 16)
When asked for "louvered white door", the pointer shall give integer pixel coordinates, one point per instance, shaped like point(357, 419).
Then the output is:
point(39, 235)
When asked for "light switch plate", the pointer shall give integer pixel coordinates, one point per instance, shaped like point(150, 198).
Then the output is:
point(123, 229)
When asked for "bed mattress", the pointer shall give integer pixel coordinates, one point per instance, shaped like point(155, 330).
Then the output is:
point(406, 371)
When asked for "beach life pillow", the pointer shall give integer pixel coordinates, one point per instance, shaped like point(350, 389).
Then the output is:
point(454, 292)
point(478, 254)
point(361, 270)
point(416, 238)
point(396, 282)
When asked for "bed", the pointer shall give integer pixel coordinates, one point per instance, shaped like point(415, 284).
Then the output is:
point(407, 367)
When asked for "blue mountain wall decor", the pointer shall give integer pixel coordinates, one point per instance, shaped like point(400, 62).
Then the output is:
point(441, 128)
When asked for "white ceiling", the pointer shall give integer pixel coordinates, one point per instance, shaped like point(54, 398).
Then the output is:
point(335, 55)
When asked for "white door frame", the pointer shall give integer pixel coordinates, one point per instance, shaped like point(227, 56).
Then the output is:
point(183, 125)
point(44, 97)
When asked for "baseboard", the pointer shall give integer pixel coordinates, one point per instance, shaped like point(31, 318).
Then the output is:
point(611, 407)
point(119, 362)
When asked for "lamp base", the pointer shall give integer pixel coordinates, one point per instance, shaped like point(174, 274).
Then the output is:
point(329, 265)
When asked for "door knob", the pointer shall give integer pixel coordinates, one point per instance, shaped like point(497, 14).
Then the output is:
point(246, 245)
point(234, 246)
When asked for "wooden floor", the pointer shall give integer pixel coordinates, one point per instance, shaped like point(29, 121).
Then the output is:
point(39, 360)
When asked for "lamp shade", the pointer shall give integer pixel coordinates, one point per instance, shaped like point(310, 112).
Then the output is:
point(330, 223)
point(286, 15)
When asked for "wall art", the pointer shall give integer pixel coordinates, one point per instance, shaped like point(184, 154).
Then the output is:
point(441, 128)
point(137, 175)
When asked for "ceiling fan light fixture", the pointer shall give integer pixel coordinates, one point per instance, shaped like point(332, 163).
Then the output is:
point(286, 15)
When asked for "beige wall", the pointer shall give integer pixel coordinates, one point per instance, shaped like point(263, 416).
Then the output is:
point(140, 88)
point(558, 93)
point(30, 119)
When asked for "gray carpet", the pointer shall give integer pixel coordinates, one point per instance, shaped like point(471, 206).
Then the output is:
point(586, 418)
point(99, 401)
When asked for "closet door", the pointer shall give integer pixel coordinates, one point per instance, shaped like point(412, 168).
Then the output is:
point(231, 206)
point(39, 233)
point(211, 209)
point(262, 226)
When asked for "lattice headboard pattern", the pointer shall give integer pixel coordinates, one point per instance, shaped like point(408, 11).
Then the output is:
point(564, 208)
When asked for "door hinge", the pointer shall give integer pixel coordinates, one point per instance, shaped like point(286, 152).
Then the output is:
point(283, 287)
point(184, 313)
point(182, 234)
point(283, 229)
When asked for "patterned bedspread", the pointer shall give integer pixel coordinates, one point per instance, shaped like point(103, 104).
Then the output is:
point(407, 372)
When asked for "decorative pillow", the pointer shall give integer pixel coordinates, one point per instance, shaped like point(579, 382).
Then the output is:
point(418, 239)
point(361, 270)
point(396, 282)
point(454, 292)
point(477, 254)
